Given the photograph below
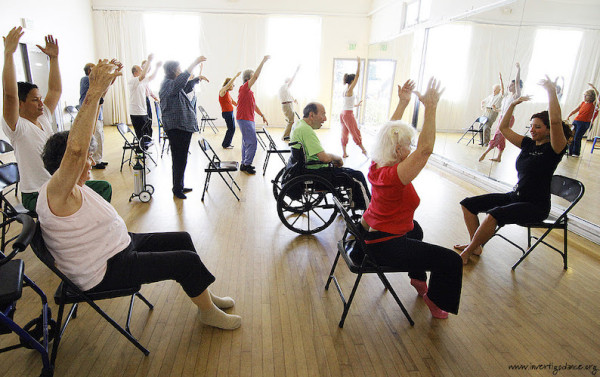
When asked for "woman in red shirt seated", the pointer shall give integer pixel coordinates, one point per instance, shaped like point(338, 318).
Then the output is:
point(586, 113)
point(393, 238)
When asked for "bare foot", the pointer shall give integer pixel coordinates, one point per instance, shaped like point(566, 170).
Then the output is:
point(495, 159)
point(364, 152)
point(481, 158)
point(345, 156)
point(460, 247)
point(465, 257)
point(477, 251)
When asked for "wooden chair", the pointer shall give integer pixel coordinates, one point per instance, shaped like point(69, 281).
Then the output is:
point(352, 249)
point(215, 165)
point(567, 188)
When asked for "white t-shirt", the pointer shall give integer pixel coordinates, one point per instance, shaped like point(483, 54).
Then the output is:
point(137, 96)
point(83, 242)
point(28, 140)
point(493, 100)
point(349, 102)
point(284, 93)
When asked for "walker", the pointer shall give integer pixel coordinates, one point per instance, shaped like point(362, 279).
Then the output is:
point(141, 189)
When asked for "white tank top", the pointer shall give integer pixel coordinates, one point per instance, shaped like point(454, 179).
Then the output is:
point(82, 242)
point(348, 101)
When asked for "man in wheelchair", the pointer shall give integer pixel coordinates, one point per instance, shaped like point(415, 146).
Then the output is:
point(321, 163)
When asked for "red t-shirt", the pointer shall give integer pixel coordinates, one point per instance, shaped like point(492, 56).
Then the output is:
point(226, 104)
point(393, 204)
point(586, 112)
point(245, 104)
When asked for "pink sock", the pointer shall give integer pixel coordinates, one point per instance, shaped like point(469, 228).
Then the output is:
point(433, 308)
point(420, 286)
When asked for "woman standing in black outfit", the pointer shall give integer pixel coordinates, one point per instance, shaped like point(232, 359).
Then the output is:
point(539, 157)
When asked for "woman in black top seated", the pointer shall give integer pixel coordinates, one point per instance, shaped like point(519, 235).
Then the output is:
point(530, 200)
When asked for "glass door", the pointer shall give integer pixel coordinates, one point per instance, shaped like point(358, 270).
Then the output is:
point(380, 84)
point(341, 67)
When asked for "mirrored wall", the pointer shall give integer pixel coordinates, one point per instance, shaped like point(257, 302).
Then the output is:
point(470, 54)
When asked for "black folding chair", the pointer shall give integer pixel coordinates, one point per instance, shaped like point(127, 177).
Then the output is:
point(567, 188)
point(9, 175)
point(206, 119)
point(132, 144)
point(475, 129)
point(162, 134)
point(5, 147)
point(259, 139)
point(215, 165)
point(68, 293)
point(37, 333)
point(72, 111)
point(353, 250)
point(273, 149)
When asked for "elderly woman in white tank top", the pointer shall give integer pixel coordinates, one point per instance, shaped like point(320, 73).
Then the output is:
point(75, 222)
point(349, 125)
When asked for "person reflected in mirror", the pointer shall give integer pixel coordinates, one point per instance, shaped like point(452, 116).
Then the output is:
point(529, 202)
point(347, 119)
point(586, 114)
point(491, 106)
point(514, 92)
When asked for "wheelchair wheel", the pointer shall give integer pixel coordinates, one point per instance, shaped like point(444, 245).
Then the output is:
point(277, 183)
point(305, 204)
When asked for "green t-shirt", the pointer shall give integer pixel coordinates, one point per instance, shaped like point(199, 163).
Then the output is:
point(304, 133)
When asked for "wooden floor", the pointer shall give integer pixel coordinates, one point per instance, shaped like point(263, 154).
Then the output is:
point(539, 314)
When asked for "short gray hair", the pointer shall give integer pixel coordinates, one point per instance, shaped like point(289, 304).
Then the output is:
point(390, 135)
point(247, 75)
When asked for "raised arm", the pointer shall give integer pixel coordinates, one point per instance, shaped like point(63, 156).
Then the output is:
point(156, 69)
point(517, 81)
point(257, 72)
point(558, 140)
point(501, 83)
point(76, 154)
point(10, 91)
point(54, 80)
point(504, 126)
point(404, 94)
point(415, 162)
point(229, 85)
point(146, 67)
point(293, 76)
point(350, 91)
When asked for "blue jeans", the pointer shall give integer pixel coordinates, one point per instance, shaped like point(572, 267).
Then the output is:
point(249, 141)
point(230, 120)
point(580, 130)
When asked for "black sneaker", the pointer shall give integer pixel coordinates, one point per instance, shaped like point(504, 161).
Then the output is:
point(243, 167)
point(250, 169)
point(99, 166)
point(179, 195)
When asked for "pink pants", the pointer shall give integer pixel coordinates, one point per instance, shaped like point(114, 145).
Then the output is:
point(499, 141)
point(349, 126)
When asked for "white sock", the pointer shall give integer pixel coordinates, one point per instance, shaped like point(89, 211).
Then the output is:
point(215, 317)
point(222, 302)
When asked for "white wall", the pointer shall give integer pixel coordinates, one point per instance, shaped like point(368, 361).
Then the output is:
point(68, 20)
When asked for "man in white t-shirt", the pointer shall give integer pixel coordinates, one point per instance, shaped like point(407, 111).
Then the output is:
point(138, 110)
point(287, 104)
point(491, 106)
point(27, 119)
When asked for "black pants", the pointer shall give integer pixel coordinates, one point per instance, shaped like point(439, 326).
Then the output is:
point(180, 145)
point(230, 120)
point(507, 208)
point(152, 257)
point(361, 196)
point(445, 281)
point(142, 126)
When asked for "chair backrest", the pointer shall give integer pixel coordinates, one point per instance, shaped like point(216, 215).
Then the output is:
point(124, 130)
point(207, 149)
point(567, 188)
point(5, 147)
point(71, 110)
point(351, 226)
point(22, 240)
point(272, 144)
point(202, 111)
point(481, 120)
point(9, 175)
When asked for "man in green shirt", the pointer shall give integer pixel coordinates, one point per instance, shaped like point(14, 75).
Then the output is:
point(304, 133)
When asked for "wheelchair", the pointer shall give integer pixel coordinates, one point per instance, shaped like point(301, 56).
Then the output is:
point(305, 196)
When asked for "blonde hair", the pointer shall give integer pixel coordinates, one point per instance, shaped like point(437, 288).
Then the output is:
point(390, 135)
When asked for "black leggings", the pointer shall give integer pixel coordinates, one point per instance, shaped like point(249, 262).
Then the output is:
point(507, 208)
point(230, 121)
point(152, 257)
point(179, 141)
point(445, 281)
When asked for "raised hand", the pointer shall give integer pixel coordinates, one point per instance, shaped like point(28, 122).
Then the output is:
point(104, 74)
point(518, 65)
point(200, 59)
point(203, 78)
point(548, 84)
point(51, 48)
point(159, 64)
point(11, 41)
point(405, 91)
point(267, 57)
point(432, 93)
point(150, 58)
point(520, 100)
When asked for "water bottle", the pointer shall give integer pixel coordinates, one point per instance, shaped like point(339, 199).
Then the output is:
point(138, 179)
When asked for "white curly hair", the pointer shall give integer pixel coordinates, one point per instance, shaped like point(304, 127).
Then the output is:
point(390, 135)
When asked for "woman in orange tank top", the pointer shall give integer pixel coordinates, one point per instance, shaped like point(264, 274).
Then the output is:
point(227, 104)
